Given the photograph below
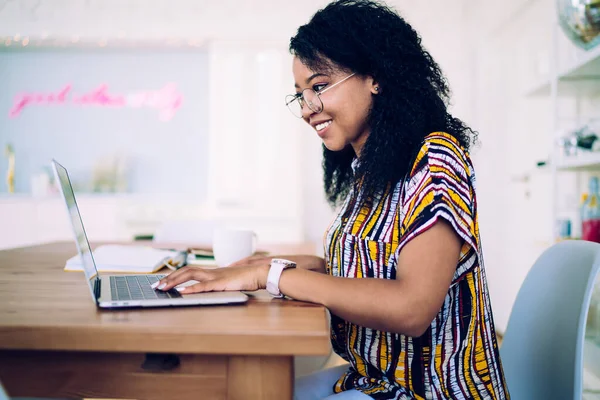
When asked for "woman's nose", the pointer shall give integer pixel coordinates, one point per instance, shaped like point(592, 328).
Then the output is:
point(306, 110)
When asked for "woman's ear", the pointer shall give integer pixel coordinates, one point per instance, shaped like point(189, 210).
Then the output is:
point(374, 85)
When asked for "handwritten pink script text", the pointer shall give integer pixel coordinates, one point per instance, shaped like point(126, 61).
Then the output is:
point(166, 100)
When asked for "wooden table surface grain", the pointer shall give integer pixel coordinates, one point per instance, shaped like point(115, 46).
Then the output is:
point(44, 310)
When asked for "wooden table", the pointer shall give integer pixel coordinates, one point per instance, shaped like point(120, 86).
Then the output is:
point(54, 342)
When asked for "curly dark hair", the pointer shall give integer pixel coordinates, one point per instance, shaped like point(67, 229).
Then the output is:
point(371, 39)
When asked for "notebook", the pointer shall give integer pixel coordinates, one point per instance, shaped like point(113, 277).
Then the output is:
point(201, 257)
point(122, 258)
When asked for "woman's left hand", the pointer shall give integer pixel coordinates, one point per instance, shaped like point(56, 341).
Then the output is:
point(216, 280)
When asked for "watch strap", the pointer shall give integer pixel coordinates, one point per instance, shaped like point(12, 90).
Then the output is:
point(275, 270)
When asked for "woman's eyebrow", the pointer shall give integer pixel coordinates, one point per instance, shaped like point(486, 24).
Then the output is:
point(310, 78)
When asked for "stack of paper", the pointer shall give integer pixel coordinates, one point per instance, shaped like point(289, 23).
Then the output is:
point(201, 257)
point(123, 258)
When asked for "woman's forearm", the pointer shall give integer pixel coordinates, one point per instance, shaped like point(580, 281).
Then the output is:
point(374, 303)
point(308, 262)
point(303, 261)
point(407, 304)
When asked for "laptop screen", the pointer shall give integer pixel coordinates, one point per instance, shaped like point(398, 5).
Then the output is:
point(83, 246)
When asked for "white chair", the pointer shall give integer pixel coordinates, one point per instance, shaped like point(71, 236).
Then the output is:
point(542, 349)
point(3, 395)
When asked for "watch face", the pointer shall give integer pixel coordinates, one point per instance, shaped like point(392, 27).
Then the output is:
point(285, 263)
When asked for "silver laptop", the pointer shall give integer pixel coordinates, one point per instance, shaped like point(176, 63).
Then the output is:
point(118, 291)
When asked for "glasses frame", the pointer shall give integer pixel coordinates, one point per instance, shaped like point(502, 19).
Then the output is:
point(290, 98)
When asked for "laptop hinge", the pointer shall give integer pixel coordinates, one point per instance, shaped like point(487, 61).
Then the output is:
point(97, 288)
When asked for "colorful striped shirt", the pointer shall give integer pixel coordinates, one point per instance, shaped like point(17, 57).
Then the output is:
point(457, 357)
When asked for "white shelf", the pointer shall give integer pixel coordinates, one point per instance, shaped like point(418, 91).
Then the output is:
point(580, 78)
point(580, 162)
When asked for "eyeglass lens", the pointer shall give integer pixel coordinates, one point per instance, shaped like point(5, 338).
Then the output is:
point(309, 97)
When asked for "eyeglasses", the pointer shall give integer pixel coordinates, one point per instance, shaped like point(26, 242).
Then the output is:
point(310, 97)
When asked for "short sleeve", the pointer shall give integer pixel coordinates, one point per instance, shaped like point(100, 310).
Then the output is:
point(440, 185)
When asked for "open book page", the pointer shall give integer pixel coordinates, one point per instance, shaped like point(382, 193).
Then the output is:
point(124, 258)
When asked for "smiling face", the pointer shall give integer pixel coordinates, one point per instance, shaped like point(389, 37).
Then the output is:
point(346, 106)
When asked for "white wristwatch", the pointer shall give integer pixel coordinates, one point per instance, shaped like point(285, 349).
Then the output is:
point(277, 267)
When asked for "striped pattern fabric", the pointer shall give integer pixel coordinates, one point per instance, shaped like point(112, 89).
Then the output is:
point(457, 357)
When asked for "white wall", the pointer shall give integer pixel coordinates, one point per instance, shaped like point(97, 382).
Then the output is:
point(200, 23)
point(160, 20)
point(476, 44)
point(249, 163)
point(208, 24)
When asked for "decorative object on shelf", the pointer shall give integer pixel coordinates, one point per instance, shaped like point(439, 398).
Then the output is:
point(586, 138)
point(568, 145)
point(110, 175)
point(578, 217)
point(580, 21)
point(564, 229)
point(590, 213)
point(10, 174)
point(583, 138)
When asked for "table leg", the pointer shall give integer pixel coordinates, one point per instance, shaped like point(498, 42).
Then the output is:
point(260, 377)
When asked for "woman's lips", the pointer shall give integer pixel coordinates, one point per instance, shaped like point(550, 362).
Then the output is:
point(323, 131)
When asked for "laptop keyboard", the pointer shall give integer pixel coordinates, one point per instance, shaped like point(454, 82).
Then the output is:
point(138, 287)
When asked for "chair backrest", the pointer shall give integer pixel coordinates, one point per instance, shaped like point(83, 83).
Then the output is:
point(542, 349)
point(3, 395)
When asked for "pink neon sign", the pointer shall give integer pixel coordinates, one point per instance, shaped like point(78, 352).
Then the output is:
point(166, 100)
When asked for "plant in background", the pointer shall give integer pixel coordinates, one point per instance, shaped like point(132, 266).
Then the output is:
point(10, 175)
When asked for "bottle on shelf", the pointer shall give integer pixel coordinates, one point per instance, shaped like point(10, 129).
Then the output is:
point(578, 222)
point(564, 229)
point(590, 213)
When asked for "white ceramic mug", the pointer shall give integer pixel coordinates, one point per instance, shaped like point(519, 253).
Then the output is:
point(231, 245)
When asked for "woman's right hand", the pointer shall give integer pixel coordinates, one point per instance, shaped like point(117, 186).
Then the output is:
point(312, 263)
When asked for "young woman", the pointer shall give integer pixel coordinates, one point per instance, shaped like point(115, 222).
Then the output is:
point(403, 273)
